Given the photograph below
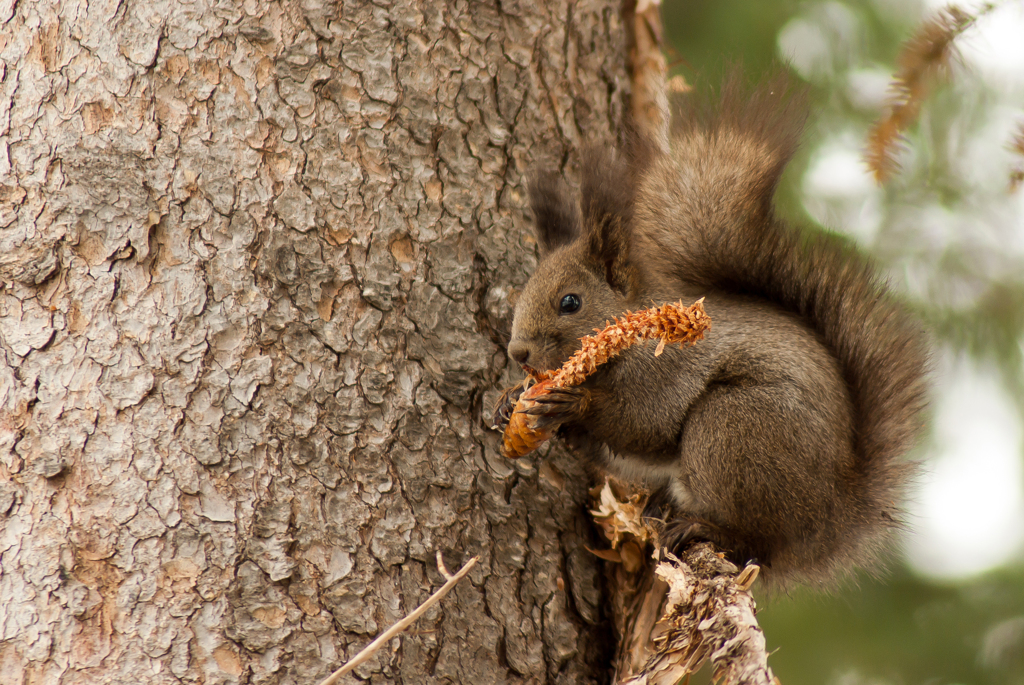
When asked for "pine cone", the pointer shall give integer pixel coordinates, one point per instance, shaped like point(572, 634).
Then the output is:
point(670, 323)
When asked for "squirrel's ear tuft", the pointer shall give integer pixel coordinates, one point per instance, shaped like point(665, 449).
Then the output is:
point(606, 200)
point(555, 213)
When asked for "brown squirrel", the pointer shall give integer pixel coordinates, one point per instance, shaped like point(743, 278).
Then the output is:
point(778, 437)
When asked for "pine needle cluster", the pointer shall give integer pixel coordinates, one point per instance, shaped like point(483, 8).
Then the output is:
point(1017, 146)
point(925, 60)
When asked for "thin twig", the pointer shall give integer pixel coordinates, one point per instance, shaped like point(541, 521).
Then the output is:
point(399, 627)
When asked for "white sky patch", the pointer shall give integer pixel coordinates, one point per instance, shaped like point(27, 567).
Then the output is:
point(805, 46)
point(838, 190)
point(968, 515)
point(822, 39)
point(838, 169)
point(869, 89)
point(993, 46)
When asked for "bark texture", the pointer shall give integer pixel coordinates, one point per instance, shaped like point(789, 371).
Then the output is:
point(256, 263)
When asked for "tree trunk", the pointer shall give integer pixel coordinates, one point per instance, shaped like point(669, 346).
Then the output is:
point(257, 263)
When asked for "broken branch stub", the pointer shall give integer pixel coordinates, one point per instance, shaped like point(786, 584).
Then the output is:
point(672, 614)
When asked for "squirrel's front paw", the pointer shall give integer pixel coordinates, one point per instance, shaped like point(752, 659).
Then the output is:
point(559, 405)
point(504, 407)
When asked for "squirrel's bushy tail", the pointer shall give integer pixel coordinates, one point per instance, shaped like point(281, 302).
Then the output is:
point(705, 210)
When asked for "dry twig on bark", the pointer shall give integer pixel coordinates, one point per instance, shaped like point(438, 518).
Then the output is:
point(400, 627)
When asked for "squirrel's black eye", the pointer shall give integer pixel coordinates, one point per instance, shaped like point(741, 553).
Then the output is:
point(569, 304)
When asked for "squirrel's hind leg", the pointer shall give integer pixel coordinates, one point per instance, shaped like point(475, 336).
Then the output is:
point(677, 531)
point(761, 461)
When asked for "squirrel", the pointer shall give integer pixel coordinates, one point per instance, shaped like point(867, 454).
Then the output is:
point(780, 436)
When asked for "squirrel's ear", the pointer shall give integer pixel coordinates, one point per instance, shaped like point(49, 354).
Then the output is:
point(556, 215)
point(606, 200)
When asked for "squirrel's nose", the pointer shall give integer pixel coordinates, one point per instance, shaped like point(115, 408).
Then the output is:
point(519, 351)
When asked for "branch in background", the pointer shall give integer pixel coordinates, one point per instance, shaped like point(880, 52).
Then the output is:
point(925, 60)
point(647, 69)
point(674, 613)
point(395, 630)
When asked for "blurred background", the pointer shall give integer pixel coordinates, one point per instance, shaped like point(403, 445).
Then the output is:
point(949, 228)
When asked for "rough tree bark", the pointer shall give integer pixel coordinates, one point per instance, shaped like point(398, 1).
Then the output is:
point(256, 260)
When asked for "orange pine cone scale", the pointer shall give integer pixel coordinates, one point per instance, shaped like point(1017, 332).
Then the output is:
point(670, 324)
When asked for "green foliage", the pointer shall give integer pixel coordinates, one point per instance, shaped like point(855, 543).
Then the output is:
point(901, 630)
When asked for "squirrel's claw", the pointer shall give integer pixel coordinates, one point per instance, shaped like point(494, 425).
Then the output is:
point(504, 407)
point(680, 533)
point(545, 422)
point(558, 406)
point(659, 505)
